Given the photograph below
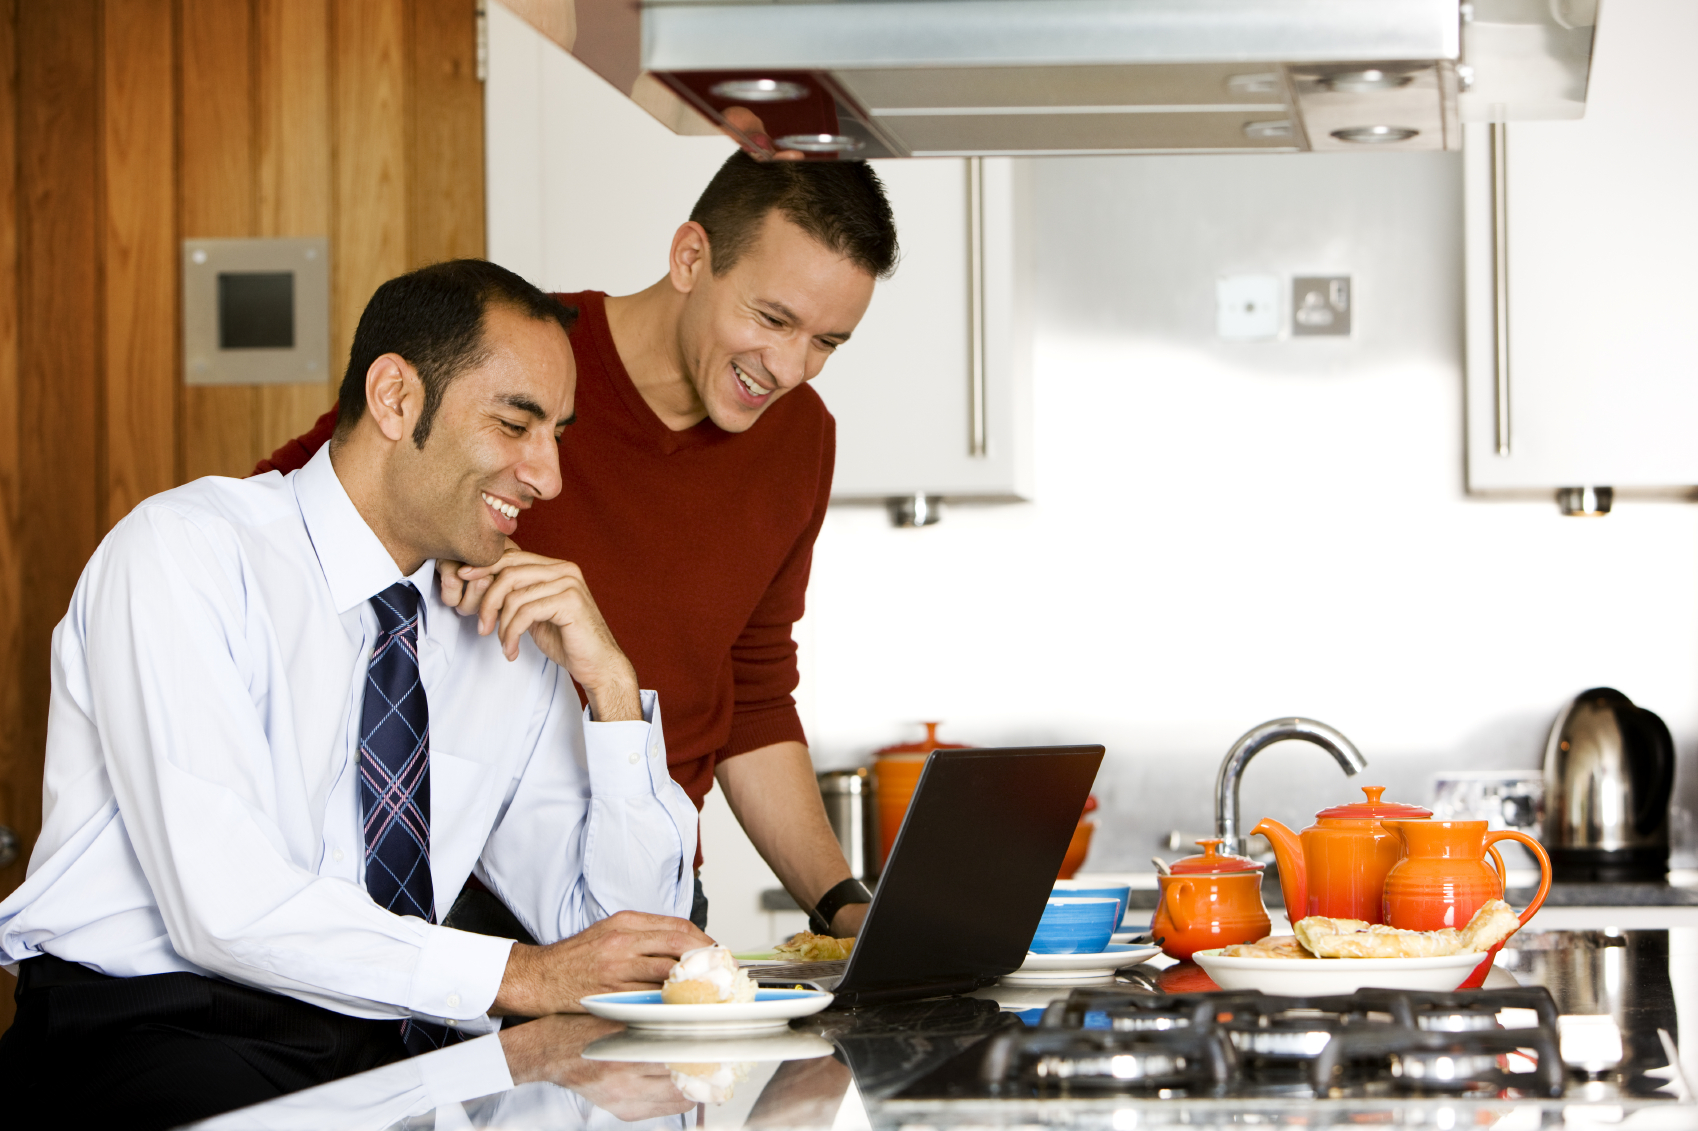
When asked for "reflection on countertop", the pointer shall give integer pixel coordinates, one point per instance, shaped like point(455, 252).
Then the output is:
point(847, 1070)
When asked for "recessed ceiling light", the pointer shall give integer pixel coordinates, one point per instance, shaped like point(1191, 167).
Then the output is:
point(758, 90)
point(1375, 135)
point(1366, 81)
point(819, 143)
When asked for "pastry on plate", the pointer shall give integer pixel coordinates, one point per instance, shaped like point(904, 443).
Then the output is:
point(1274, 946)
point(707, 975)
point(1353, 938)
point(808, 947)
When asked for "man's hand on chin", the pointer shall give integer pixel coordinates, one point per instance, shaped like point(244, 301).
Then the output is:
point(524, 592)
point(630, 950)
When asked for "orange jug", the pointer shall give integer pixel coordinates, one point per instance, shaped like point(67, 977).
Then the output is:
point(1337, 866)
point(1207, 901)
point(1443, 878)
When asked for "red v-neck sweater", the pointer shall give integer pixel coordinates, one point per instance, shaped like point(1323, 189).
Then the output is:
point(696, 545)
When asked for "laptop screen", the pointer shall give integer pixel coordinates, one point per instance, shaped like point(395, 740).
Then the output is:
point(972, 867)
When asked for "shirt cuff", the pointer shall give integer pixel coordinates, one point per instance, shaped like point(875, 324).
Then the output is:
point(458, 974)
point(627, 759)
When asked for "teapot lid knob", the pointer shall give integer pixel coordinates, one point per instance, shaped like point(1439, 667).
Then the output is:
point(1373, 793)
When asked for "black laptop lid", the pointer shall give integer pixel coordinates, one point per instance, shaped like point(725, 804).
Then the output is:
point(972, 867)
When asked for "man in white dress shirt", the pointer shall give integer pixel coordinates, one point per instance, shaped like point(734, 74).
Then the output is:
point(274, 755)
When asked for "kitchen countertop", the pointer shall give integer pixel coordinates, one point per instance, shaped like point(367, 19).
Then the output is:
point(1646, 980)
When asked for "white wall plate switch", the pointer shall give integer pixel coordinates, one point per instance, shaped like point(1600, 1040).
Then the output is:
point(1247, 308)
point(1320, 304)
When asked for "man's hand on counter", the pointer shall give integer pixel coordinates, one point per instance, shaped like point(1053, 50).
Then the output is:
point(551, 1049)
point(548, 598)
point(846, 924)
point(630, 950)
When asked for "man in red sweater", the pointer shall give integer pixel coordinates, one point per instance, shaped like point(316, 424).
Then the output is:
point(697, 477)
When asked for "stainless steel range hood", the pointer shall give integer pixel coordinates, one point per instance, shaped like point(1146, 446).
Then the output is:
point(882, 78)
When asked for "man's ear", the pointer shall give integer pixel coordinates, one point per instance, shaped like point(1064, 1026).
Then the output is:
point(692, 259)
point(394, 396)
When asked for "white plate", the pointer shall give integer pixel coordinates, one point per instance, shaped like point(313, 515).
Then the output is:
point(1048, 969)
point(643, 1009)
point(1303, 977)
point(662, 1048)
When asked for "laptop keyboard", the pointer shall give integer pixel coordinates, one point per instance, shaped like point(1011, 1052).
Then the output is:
point(796, 971)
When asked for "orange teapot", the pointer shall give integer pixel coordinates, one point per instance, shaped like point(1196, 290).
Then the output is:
point(1207, 901)
point(1337, 866)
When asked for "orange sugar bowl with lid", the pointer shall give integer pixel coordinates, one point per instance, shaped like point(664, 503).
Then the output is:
point(1207, 901)
point(1337, 867)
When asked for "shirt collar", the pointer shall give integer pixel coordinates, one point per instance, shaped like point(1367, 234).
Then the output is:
point(355, 564)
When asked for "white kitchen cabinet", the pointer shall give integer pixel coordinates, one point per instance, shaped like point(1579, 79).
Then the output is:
point(585, 190)
point(1600, 383)
point(933, 393)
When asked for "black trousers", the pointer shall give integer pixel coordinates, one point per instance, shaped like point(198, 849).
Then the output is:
point(167, 1049)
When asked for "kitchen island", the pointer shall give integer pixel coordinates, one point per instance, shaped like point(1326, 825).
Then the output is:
point(925, 1065)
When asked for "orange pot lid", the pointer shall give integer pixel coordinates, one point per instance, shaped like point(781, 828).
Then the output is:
point(1213, 861)
point(1375, 809)
point(919, 749)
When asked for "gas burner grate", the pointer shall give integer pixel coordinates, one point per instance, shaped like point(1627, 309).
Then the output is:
point(1372, 1042)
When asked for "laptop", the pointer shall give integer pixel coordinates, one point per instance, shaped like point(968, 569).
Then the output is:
point(967, 879)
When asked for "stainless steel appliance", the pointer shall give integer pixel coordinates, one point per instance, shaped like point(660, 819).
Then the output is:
point(1609, 772)
point(931, 78)
point(853, 813)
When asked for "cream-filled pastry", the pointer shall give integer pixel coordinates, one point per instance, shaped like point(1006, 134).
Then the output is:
point(707, 975)
point(709, 1083)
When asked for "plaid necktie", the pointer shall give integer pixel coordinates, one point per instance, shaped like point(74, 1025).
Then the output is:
point(395, 778)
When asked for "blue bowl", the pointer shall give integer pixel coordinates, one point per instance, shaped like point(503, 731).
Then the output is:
point(1076, 925)
point(1122, 892)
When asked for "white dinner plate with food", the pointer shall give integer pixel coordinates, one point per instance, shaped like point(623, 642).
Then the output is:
point(1313, 977)
point(635, 1046)
point(643, 1009)
point(1050, 969)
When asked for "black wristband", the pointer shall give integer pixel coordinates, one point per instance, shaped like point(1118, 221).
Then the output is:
point(833, 901)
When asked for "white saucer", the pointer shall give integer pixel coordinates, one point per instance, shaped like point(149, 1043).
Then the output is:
point(643, 1009)
point(662, 1048)
point(1048, 969)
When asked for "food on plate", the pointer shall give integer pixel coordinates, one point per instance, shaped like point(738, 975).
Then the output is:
point(1320, 937)
point(1353, 938)
point(709, 1083)
point(808, 947)
point(707, 975)
point(1274, 946)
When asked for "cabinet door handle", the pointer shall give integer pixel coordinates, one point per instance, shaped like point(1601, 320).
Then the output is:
point(976, 444)
point(1500, 282)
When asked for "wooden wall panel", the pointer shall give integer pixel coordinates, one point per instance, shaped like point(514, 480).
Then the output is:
point(60, 453)
point(140, 258)
point(293, 175)
point(445, 107)
point(20, 777)
point(218, 200)
point(370, 237)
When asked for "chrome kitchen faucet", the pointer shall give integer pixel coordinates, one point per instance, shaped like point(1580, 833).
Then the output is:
point(1252, 742)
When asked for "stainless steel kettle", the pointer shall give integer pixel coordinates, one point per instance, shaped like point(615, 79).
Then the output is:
point(1609, 772)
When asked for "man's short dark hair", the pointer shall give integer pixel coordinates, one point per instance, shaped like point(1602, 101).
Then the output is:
point(433, 317)
point(839, 203)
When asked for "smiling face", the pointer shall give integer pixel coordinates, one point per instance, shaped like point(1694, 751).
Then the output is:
point(493, 449)
point(768, 324)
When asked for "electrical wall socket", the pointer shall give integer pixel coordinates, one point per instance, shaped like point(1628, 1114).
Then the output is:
point(1247, 308)
point(1320, 305)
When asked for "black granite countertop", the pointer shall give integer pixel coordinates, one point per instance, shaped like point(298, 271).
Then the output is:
point(844, 1070)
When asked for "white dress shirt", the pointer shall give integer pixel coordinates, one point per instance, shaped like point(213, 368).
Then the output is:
point(200, 803)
